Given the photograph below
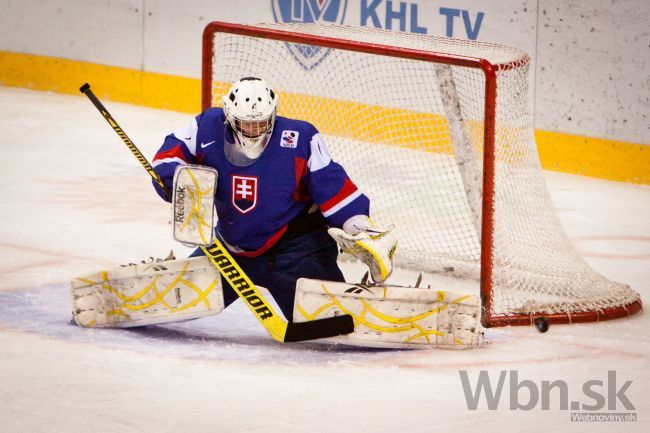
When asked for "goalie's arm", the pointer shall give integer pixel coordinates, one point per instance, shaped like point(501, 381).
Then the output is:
point(346, 209)
point(337, 197)
point(179, 148)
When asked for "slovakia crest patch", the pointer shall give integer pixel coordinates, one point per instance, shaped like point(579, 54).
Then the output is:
point(244, 193)
point(309, 11)
point(289, 139)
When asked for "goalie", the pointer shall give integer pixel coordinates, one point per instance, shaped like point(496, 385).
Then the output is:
point(284, 209)
point(278, 191)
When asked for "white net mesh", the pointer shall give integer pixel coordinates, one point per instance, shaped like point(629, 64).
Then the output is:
point(410, 134)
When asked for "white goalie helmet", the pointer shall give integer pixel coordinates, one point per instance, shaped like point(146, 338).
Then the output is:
point(250, 107)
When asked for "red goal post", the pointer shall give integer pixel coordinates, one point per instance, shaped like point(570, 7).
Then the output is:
point(544, 302)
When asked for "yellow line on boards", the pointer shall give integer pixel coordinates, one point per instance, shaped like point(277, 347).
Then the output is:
point(595, 157)
point(150, 89)
point(568, 153)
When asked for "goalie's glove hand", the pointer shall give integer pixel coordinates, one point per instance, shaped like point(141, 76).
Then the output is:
point(372, 245)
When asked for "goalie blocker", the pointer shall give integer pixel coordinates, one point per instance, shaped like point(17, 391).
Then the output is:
point(177, 290)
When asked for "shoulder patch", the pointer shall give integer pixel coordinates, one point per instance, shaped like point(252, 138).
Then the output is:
point(289, 139)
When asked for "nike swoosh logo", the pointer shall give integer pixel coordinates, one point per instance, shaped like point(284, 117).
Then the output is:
point(204, 145)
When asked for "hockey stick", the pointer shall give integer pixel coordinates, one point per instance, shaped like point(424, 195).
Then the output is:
point(276, 326)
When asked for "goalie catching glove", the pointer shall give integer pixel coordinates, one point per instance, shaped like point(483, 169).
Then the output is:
point(372, 245)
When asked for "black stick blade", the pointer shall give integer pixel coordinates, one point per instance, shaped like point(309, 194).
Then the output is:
point(84, 88)
point(321, 328)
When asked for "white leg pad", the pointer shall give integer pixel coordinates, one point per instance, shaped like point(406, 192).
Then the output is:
point(147, 294)
point(394, 316)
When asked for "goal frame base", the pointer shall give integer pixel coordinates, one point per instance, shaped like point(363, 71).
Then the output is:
point(628, 310)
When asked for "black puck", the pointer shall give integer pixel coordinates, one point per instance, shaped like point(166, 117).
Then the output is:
point(542, 324)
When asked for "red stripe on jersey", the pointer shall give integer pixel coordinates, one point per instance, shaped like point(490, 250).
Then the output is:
point(175, 151)
point(301, 194)
point(345, 191)
point(267, 245)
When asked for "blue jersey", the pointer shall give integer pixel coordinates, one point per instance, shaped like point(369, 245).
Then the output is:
point(256, 203)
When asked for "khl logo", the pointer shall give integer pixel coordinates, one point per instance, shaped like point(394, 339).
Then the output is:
point(309, 11)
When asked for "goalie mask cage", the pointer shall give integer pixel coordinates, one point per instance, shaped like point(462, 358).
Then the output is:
point(437, 132)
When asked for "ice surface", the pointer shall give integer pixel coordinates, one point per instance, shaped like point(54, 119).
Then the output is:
point(75, 200)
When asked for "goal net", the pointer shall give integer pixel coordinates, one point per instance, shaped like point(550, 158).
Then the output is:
point(438, 133)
